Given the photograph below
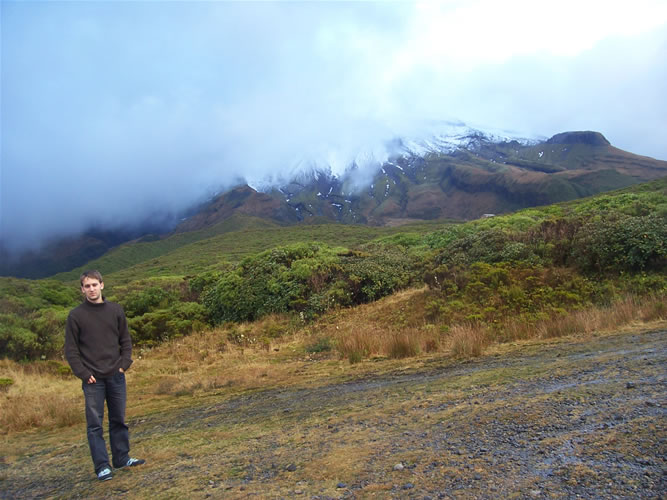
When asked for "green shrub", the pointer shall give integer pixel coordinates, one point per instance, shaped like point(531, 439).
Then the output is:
point(275, 281)
point(49, 325)
point(491, 292)
point(17, 341)
point(58, 294)
point(646, 283)
point(622, 243)
point(445, 237)
point(369, 278)
point(486, 245)
point(307, 278)
point(197, 284)
point(143, 301)
point(5, 383)
point(157, 326)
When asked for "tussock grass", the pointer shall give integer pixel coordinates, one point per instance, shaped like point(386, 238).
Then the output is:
point(404, 345)
point(367, 331)
point(622, 312)
point(468, 340)
point(38, 398)
point(358, 341)
point(239, 357)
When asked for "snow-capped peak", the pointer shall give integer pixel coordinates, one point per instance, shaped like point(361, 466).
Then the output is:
point(442, 137)
point(447, 137)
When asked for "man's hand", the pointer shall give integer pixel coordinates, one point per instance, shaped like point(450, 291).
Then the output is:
point(92, 379)
point(121, 370)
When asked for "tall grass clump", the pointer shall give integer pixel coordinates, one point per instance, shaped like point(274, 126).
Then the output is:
point(405, 344)
point(654, 309)
point(358, 344)
point(358, 335)
point(468, 340)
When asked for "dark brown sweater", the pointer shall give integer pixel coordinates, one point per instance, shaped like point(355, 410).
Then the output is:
point(97, 341)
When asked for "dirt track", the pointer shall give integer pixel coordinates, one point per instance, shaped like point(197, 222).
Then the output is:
point(563, 420)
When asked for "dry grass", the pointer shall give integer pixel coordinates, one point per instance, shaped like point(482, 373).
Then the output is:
point(583, 322)
point(356, 342)
point(41, 396)
point(466, 341)
point(363, 332)
point(38, 398)
point(247, 356)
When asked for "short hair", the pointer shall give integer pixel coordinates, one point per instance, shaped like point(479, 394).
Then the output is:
point(91, 274)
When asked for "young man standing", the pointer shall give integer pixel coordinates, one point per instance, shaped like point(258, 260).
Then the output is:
point(98, 347)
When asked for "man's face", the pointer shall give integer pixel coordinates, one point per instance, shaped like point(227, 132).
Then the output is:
point(92, 289)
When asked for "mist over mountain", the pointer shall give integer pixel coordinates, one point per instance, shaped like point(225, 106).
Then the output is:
point(457, 173)
point(114, 113)
point(463, 174)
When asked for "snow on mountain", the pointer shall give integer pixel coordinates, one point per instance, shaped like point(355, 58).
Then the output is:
point(444, 137)
point(448, 137)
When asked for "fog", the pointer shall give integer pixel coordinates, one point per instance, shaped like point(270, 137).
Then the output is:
point(114, 112)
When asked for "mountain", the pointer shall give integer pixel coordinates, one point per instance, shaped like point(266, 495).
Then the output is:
point(462, 177)
point(461, 173)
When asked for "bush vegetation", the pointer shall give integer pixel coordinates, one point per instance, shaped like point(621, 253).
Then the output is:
point(307, 279)
point(32, 317)
point(531, 267)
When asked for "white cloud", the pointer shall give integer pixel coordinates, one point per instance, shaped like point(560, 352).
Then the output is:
point(477, 32)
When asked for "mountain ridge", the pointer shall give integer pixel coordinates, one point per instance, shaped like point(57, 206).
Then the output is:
point(475, 178)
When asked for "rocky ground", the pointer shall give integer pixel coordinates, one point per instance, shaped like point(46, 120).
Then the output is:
point(567, 419)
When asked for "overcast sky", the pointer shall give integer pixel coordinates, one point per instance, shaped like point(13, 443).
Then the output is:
point(116, 110)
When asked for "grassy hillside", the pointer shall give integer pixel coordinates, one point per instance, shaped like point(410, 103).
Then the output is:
point(147, 249)
point(232, 240)
point(530, 267)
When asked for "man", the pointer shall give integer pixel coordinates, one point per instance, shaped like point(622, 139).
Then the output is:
point(98, 347)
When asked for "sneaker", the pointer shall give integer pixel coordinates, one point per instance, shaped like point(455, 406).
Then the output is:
point(132, 462)
point(105, 474)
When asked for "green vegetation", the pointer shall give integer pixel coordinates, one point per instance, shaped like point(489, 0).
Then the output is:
point(186, 254)
point(308, 279)
point(529, 266)
point(5, 383)
point(32, 317)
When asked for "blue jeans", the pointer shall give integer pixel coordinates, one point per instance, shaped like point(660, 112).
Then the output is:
point(112, 390)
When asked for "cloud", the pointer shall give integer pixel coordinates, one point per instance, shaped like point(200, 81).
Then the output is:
point(117, 111)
